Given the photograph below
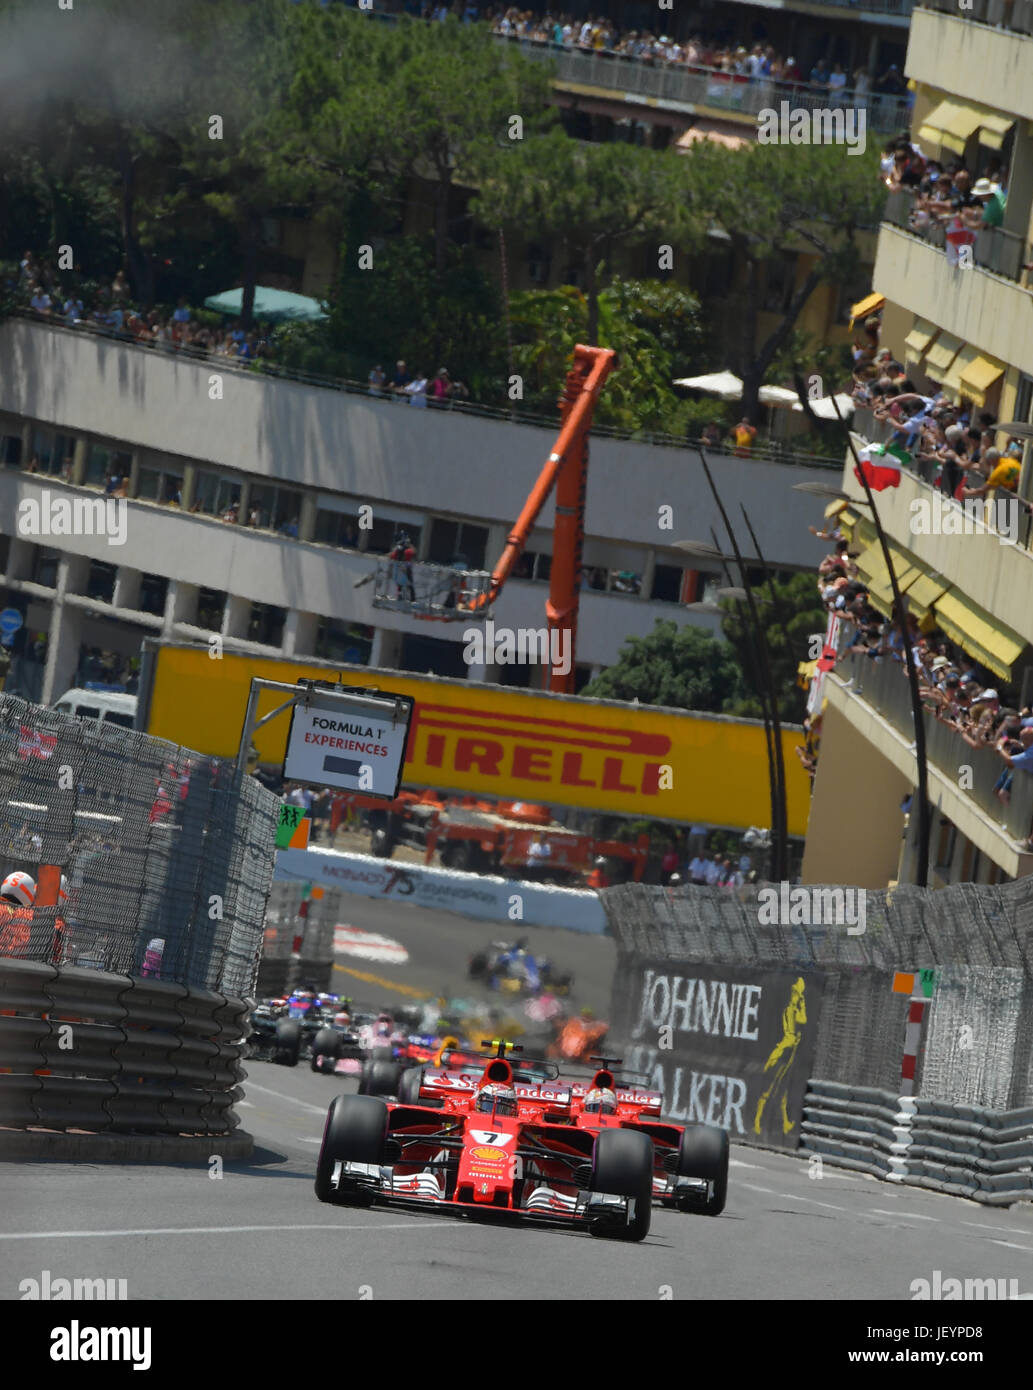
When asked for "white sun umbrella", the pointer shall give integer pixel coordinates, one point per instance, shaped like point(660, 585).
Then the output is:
point(726, 385)
point(826, 410)
point(778, 395)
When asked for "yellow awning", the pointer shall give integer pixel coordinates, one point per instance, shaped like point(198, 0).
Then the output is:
point(924, 592)
point(940, 356)
point(993, 129)
point(952, 381)
point(996, 647)
point(906, 570)
point(866, 306)
point(978, 376)
point(951, 125)
point(922, 334)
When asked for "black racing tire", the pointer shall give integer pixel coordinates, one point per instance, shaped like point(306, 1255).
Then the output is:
point(478, 966)
point(380, 1078)
point(704, 1153)
point(382, 1054)
point(622, 1165)
point(409, 1086)
point(326, 1043)
point(287, 1047)
point(354, 1133)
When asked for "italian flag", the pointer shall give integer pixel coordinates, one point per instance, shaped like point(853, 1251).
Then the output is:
point(881, 468)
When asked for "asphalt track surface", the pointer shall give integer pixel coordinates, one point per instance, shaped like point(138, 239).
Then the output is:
point(257, 1231)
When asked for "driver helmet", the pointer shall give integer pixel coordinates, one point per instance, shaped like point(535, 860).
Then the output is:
point(19, 888)
point(496, 1097)
point(342, 1018)
point(600, 1100)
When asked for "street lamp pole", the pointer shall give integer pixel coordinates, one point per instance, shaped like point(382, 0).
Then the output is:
point(899, 612)
point(779, 819)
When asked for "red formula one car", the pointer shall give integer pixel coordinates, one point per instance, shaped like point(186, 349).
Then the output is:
point(691, 1161)
point(471, 1143)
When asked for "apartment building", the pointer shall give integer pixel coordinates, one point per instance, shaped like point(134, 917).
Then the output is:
point(962, 322)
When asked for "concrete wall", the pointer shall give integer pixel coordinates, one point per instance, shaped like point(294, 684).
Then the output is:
point(855, 830)
point(978, 307)
point(379, 450)
point(974, 61)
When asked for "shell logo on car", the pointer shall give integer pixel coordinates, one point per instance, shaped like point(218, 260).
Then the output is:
point(485, 1153)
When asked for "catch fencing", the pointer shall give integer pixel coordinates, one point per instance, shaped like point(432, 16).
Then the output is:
point(833, 992)
point(168, 855)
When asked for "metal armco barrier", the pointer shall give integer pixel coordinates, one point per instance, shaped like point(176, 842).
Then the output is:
point(963, 1150)
point(88, 1050)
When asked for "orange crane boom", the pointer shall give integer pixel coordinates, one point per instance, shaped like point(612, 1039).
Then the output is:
point(566, 470)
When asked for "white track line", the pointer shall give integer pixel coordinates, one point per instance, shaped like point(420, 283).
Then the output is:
point(985, 1226)
point(901, 1215)
point(1012, 1245)
point(223, 1230)
point(798, 1197)
point(305, 1105)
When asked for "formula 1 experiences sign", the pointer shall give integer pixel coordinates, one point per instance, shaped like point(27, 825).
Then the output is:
point(359, 748)
point(727, 1045)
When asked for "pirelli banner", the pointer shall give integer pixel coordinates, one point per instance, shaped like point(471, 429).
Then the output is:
point(727, 1045)
point(488, 740)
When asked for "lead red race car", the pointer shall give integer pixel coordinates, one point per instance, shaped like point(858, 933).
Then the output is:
point(690, 1162)
point(470, 1143)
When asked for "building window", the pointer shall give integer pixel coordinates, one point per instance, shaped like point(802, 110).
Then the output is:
point(153, 593)
point(385, 532)
point(452, 541)
point(213, 494)
point(101, 582)
point(349, 643)
point(51, 453)
point(156, 484)
point(533, 564)
point(337, 528)
point(266, 624)
point(210, 607)
point(102, 464)
point(667, 583)
point(44, 567)
point(11, 450)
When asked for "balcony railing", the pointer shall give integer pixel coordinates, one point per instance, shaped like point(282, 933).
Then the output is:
point(763, 451)
point(926, 471)
point(884, 686)
point(694, 86)
point(1015, 15)
point(994, 249)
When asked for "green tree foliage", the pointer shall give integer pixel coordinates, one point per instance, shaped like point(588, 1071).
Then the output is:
point(404, 309)
point(789, 621)
point(676, 667)
point(592, 198)
point(656, 328)
point(814, 198)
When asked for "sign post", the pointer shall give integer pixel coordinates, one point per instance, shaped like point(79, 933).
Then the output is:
point(343, 737)
point(10, 621)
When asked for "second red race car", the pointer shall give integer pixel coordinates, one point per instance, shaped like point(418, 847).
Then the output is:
point(471, 1144)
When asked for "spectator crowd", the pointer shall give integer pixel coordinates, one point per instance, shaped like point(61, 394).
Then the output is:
point(699, 54)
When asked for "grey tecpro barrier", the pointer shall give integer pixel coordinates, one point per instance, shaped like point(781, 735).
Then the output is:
point(963, 1150)
point(89, 1050)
